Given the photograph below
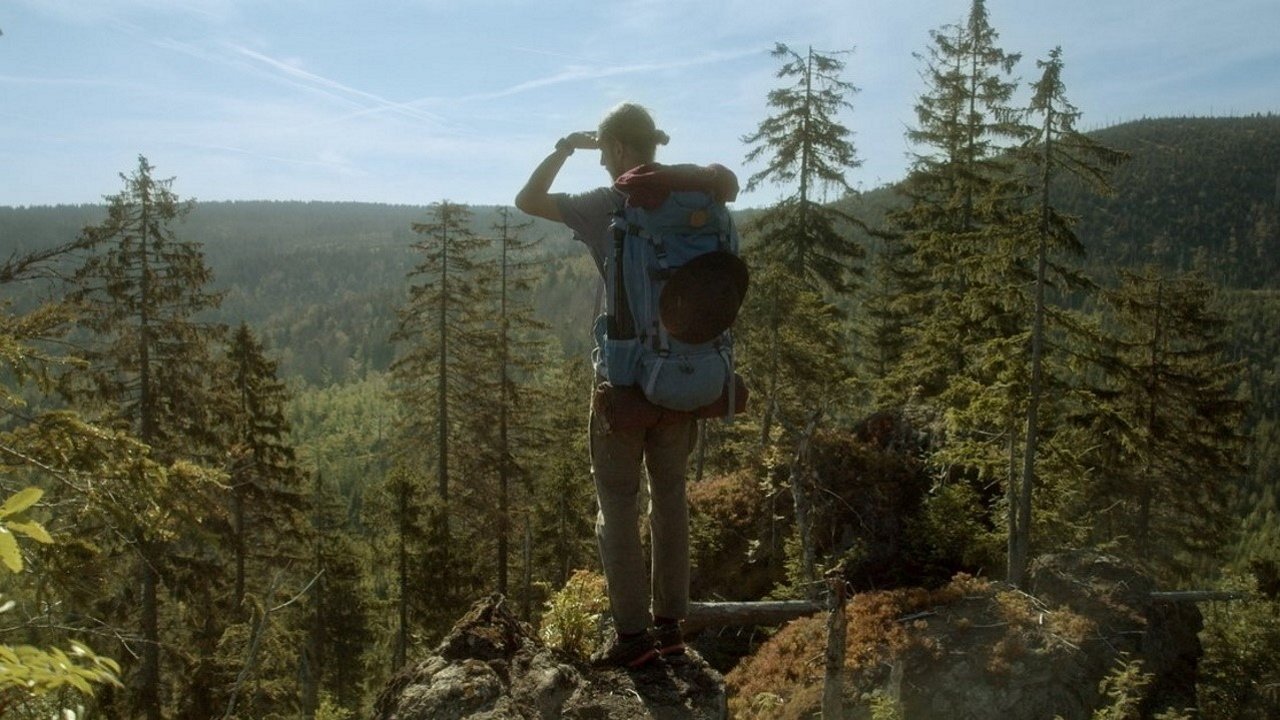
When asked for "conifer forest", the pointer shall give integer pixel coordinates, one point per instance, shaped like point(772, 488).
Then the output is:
point(257, 456)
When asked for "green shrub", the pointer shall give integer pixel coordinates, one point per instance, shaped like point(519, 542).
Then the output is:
point(1240, 671)
point(28, 672)
point(573, 617)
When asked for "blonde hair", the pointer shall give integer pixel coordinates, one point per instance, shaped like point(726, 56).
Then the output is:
point(633, 126)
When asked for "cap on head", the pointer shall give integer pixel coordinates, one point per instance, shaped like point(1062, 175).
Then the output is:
point(632, 125)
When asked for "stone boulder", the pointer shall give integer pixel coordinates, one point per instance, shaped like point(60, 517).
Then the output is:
point(978, 649)
point(491, 666)
point(1164, 636)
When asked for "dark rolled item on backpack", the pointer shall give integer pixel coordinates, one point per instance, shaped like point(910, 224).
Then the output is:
point(702, 297)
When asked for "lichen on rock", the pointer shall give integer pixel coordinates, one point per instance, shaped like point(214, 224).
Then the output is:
point(491, 666)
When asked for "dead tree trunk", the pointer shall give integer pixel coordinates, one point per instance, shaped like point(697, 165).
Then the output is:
point(833, 685)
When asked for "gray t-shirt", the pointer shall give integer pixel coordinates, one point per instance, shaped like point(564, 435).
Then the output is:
point(588, 215)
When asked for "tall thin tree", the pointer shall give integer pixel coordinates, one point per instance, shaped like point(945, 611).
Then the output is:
point(267, 500)
point(142, 290)
point(807, 147)
point(963, 198)
point(1058, 148)
point(442, 350)
point(517, 357)
point(811, 246)
point(964, 363)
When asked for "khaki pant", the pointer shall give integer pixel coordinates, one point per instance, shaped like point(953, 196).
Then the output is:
point(616, 459)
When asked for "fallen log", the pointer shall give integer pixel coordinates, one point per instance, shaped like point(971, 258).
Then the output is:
point(1195, 596)
point(724, 614)
point(776, 612)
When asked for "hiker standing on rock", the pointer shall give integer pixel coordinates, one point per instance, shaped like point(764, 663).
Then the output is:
point(627, 139)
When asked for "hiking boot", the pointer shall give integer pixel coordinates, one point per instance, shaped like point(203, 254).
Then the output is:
point(668, 639)
point(630, 652)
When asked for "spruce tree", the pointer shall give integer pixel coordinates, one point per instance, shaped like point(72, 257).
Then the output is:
point(242, 642)
point(497, 433)
point(1056, 149)
point(562, 534)
point(268, 504)
point(443, 357)
point(962, 230)
point(881, 319)
point(339, 614)
point(963, 197)
point(797, 342)
point(142, 291)
point(810, 246)
point(1170, 422)
point(404, 500)
point(518, 354)
point(805, 144)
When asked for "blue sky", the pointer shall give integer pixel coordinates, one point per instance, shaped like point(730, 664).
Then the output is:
point(414, 102)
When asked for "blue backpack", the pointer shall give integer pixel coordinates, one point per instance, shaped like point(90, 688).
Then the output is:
point(633, 345)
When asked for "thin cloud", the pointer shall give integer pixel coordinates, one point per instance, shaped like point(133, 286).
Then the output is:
point(94, 12)
point(246, 59)
point(312, 80)
point(333, 164)
point(573, 73)
point(577, 73)
point(549, 53)
point(195, 51)
point(55, 82)
point(240, 58)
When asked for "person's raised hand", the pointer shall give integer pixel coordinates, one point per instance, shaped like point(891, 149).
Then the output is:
point(580, 140)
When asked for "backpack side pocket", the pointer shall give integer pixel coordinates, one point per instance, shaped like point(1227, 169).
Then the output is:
point(617, 361)
point(682, 381)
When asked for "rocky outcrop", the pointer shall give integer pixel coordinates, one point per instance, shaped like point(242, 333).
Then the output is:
point(493, 667)
point(972, 650)
point(1043, 654)
point(977, 649)
point(1164, 636)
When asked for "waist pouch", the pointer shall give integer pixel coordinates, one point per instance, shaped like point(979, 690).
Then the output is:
point(624, 407)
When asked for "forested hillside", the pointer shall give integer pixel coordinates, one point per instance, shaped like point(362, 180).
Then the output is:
point(321, 281)
point(278, 446)
point(1196, 193)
